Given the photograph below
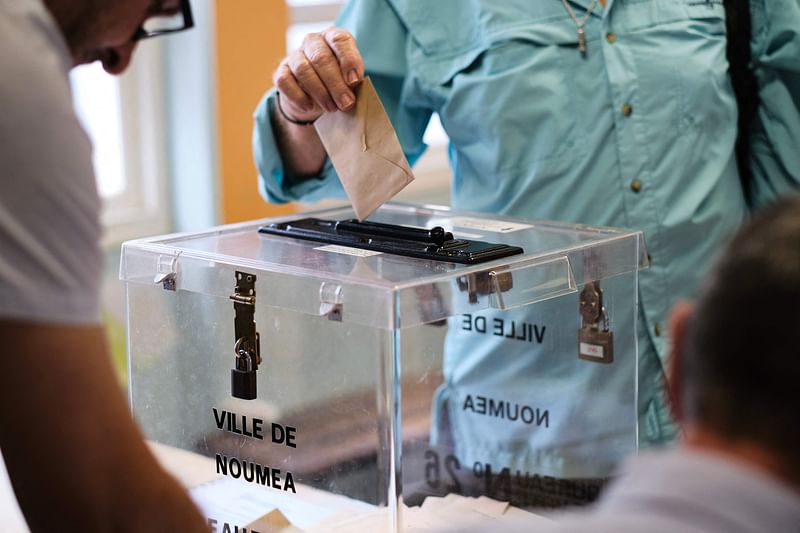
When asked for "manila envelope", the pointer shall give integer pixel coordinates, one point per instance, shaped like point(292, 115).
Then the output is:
point(365, 152)
point(273, 522)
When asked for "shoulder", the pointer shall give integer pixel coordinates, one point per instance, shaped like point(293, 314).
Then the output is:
point(35, 72)
point(48, 197)
point(43, 141)
point(36, 98)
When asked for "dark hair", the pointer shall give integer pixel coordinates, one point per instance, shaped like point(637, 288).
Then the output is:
point(741, 364)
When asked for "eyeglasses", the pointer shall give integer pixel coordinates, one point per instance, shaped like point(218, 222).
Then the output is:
point(166, 23)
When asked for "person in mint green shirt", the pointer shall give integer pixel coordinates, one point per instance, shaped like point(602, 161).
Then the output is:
point(632, 125)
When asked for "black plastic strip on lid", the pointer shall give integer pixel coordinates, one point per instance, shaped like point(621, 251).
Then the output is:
point(435, 244)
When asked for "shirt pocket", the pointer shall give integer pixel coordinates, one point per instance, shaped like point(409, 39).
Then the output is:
point(496, 74)
point(680, 60)
point(447, 35)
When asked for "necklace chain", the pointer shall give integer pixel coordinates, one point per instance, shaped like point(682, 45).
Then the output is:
point(580, 23)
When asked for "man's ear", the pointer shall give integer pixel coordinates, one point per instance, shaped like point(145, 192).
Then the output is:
point(679, 319)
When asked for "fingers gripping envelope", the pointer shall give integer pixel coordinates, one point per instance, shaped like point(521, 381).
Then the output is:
point(365, 151)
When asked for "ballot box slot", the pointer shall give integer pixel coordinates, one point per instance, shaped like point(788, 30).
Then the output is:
point(435, 243)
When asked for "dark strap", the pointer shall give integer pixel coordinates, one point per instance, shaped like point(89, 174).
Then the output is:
point(739, 29)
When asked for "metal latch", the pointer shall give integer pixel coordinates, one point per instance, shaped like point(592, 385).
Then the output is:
point(247, 347)
point(167, 271)
point(595, 340)
point(330, 301)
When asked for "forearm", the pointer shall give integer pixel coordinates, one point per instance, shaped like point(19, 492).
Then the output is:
point(74, 455)
point(301, 150)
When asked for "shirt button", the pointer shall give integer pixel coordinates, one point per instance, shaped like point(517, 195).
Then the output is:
point(611, 37)
point(636, 185)
point(657, 330)
point(627, 109)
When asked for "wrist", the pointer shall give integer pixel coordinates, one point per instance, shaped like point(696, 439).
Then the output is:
point(291, 118)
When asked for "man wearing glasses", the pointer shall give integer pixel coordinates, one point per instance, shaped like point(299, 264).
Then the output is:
point(74, 455)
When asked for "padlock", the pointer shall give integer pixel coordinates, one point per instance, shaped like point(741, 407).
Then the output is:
point(595, 341)
point(595, 345)
point(243, 378)
point(247, 348)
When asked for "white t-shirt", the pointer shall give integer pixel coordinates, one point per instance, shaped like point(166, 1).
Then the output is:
point(50, 260)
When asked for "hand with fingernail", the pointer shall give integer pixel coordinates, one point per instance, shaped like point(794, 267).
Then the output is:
point(319, 76)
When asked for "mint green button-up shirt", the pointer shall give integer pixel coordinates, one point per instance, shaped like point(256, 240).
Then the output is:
point(639, 132)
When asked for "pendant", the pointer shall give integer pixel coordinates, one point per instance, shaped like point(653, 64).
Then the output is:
point(581, 41)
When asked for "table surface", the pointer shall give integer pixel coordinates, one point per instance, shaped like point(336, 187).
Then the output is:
point(194, 471)
point(316, 511)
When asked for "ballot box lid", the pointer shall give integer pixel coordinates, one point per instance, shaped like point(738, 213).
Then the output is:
point(386, 290)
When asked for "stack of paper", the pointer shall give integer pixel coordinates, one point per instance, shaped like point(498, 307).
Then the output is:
point(451, 513)
point(234, 502)
point(239, 504)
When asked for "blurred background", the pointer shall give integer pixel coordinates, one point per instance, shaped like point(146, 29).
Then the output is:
point(172, 137)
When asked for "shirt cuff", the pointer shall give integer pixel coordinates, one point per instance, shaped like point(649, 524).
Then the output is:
point(275, 184)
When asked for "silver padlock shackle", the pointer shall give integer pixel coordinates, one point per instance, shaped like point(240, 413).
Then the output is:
point(239, 352)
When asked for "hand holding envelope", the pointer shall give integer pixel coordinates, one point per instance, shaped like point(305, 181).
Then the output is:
point(365, 151)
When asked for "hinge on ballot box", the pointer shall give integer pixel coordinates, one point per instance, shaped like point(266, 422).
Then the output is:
point(247, 348)
point(483, 283)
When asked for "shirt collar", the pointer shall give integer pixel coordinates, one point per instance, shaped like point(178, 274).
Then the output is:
point(580, 7)
point(734, 491)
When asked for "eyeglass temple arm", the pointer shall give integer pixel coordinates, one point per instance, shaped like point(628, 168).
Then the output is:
point(188, 19)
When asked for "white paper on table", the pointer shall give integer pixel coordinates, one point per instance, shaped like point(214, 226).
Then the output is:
point(237, 502)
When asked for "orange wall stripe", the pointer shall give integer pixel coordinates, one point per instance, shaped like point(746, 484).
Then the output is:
point(251, 40)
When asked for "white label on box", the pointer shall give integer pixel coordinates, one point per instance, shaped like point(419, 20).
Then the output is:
point(338, 249)
point(465, 235)
point(591, 350)
point(496, 226)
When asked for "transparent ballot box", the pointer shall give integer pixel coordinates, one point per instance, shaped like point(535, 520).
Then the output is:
point(324, 378)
